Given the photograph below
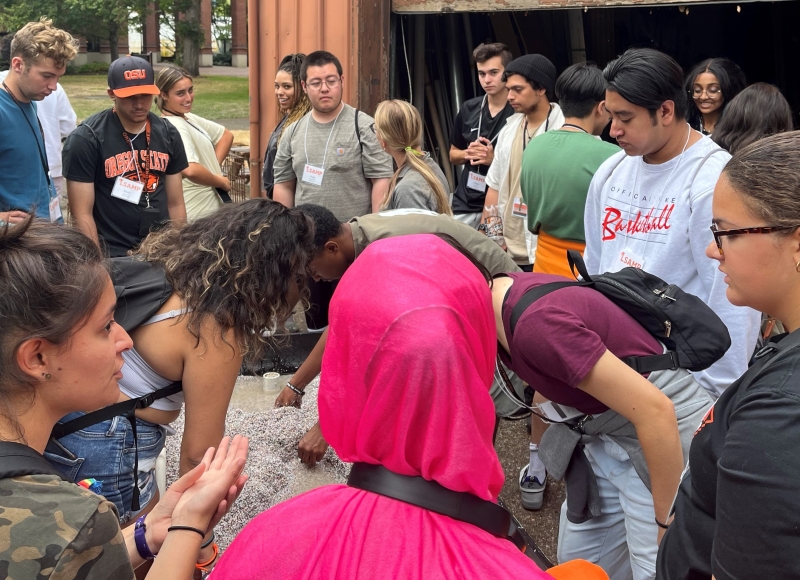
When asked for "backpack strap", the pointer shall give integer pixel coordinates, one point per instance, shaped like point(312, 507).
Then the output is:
point(641, 364)
point(772, 350)
point(360, 145)
point(17, 460)
point(121, 409)
point(703, 162)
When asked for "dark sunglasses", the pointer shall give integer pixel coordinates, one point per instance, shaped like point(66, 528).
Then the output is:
point(719, 234)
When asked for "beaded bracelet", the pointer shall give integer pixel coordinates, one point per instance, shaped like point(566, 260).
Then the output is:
point(297, 391)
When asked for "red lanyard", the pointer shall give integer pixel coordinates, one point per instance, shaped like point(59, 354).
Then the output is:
point(144, 173)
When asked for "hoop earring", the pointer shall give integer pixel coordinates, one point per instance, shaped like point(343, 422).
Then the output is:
point(797, 267)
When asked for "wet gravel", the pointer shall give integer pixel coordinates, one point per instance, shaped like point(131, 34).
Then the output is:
point(275, 471)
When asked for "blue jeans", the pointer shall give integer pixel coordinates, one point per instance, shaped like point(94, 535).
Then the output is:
point(105, 452)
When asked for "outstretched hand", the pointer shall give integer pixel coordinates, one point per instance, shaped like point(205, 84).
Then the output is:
point(209, 495)
point(161, 517)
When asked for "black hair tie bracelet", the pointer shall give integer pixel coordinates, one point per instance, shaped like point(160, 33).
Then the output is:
point(188, 529)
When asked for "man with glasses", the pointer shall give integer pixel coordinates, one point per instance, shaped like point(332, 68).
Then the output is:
point(330, 158)
point(649, 206)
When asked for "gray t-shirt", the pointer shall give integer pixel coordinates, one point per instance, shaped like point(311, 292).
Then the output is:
point(377, 226)
point(412, 190)
point(346, 188)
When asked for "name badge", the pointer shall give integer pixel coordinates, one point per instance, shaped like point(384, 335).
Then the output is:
point(476, 181)
point(519, 209)
point(631, 259)
point(130, 191)
point(55, 210)
point(313, 175)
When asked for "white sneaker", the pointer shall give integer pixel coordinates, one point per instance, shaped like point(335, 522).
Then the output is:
point(531, 490)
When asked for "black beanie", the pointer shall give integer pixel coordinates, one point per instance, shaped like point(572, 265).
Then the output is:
point(535, 67)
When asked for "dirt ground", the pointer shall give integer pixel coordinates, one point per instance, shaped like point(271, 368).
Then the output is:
point(542, 526)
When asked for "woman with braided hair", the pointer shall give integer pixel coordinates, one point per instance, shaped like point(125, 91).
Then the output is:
point(293, 104)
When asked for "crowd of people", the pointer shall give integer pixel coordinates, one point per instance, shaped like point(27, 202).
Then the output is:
point(442, 309)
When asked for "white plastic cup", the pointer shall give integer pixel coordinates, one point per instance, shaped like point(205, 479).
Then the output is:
point(271, 383)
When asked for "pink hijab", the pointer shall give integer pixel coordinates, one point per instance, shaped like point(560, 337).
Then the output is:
point(405, 384)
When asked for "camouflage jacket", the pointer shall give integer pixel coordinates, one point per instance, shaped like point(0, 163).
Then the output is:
point(51, 529)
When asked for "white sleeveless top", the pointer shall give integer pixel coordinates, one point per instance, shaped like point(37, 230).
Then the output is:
point(139, 378)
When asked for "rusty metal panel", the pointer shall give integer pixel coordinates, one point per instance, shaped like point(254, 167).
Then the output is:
point(280, 27)
point(437, 6)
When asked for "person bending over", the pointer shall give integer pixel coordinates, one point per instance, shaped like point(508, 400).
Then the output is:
point(411, 332)
point(337, 245)
point(240, 269)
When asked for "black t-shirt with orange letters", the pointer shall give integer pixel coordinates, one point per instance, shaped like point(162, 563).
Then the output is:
point(97, 152)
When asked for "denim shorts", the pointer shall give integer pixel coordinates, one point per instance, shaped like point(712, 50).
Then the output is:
point(105, 452)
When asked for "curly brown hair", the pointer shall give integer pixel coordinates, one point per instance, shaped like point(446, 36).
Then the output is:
point(238, 267)
point(40, 39)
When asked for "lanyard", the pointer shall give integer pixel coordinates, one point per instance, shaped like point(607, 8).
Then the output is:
point(525, 128)
point(192, 125)
point(146, 162)
point(305, 139)
point(42, 154)
point(480, 121)
point(575, 127)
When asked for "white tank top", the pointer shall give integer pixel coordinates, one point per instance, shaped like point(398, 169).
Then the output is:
point(139, 378)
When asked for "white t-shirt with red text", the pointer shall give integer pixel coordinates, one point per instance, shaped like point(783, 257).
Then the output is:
point(657, 217)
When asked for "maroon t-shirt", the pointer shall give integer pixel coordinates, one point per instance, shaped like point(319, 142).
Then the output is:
point(561, 336)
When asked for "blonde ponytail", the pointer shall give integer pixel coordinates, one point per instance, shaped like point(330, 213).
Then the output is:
point(400, 126)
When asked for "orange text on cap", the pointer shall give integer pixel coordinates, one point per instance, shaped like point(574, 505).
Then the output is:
point(133, 74)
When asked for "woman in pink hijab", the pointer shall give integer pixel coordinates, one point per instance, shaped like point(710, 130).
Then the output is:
point(405, 385)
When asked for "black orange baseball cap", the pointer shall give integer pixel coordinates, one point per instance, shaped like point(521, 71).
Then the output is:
point(131, 75)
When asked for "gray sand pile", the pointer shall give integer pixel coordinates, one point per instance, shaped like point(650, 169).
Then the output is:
point(275, 471)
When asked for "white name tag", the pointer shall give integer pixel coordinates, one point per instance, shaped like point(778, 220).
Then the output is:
point(519, 209)
point(313, 175)
point(55, 210)
point(476, 181)
point(130, 191)
point(631, 259)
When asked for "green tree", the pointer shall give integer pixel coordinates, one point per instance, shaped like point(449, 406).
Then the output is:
point(92, 19)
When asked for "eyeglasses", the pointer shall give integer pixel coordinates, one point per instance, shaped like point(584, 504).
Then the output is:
point(330, 82)
point(712, 92)
point(719, 234)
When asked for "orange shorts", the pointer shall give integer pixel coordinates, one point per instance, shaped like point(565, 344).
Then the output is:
point(551, 255)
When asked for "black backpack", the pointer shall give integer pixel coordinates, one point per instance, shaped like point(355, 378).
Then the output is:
point(693, 334)
point(141, 288)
